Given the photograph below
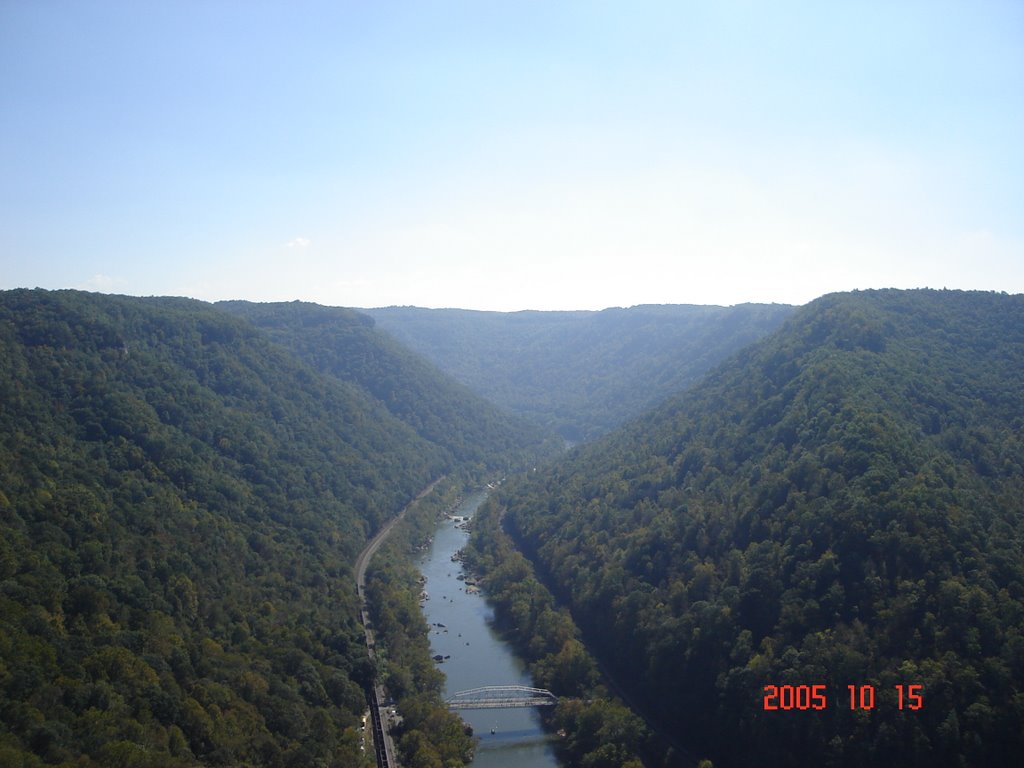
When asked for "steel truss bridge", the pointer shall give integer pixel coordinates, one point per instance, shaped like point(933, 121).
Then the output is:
point(501, 697)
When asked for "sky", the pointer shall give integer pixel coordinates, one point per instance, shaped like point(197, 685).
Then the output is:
point(511, 155)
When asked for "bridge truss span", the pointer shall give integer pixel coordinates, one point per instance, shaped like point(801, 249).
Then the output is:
point(501, 697)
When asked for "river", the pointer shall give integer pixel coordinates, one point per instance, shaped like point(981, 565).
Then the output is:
point(509, 738)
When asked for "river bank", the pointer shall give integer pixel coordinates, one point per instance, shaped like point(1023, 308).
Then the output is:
point(597, 727)
point(472, 652)
point(409, 686)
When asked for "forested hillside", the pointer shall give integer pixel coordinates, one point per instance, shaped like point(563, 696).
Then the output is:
point(181, 500)
point(580, 373)
point(345, 344)
point(840, 505)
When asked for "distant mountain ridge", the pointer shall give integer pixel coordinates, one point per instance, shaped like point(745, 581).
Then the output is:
point(839, 504)
point(581, 373)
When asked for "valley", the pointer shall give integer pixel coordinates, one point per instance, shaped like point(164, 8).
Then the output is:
point(580, 374)
point(763, 497)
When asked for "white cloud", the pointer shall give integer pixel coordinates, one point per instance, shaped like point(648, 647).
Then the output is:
point(298, 242)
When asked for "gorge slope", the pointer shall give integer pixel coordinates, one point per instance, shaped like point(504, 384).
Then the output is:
point(839, 504)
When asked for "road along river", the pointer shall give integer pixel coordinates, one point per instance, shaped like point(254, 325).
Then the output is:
point(474, 655)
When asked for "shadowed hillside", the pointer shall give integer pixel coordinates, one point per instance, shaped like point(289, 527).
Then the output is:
point(345, 344)
point(840, 504)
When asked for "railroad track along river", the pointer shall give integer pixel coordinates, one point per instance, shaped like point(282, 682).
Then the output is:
point(382, 742)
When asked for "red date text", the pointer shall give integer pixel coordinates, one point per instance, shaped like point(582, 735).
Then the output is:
point(804, 697)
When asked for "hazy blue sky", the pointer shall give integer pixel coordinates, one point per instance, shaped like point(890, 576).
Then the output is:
point(510, 155)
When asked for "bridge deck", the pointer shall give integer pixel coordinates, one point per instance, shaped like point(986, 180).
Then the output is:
point(501, 697)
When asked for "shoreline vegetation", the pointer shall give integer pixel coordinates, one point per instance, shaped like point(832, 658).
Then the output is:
point(426, 733)
point(595, 728)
